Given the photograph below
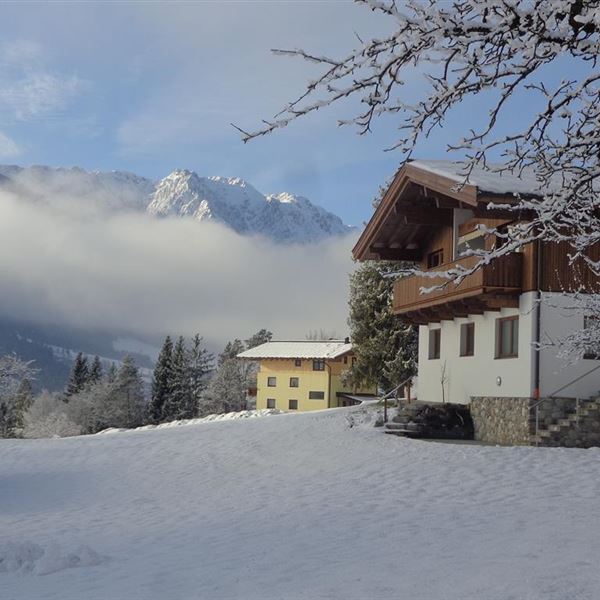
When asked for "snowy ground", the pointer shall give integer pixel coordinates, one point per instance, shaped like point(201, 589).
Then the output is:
point(295, 507)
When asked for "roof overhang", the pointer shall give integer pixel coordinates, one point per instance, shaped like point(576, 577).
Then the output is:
point(416, 203)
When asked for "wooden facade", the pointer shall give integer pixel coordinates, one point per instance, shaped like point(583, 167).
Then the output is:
point(422, 219)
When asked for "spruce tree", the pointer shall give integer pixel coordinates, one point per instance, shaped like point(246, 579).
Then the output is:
point(260, 337)
point(127, 396)
point(79, 376)
point(162, 381)
point(179, 403)
point(385, 346)
point(96, 371)
point(201, 366)
point(111, 374)
point(22, 401)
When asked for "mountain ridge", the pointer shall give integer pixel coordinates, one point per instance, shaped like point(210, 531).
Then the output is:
point(282, 217)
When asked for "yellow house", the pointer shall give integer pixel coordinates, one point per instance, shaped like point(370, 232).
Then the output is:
point(304, 375)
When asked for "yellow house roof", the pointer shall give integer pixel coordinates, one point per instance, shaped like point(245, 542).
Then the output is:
point(299, 349)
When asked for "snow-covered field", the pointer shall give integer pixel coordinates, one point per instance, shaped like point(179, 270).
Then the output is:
point(295, 507)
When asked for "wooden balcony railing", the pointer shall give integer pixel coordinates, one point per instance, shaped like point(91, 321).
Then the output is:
point(503, 275)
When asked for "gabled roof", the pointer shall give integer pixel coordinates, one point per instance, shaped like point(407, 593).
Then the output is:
point(422, 197)
point(298, 349)
point(485, 181)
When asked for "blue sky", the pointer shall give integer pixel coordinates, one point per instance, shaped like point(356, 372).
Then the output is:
point(150, 87)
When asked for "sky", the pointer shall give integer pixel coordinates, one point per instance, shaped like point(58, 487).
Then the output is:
point(150, 87)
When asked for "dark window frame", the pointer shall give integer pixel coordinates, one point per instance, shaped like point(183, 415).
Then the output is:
point(294, 382)
point(514, 339)
point(321, 395)
point(290, 407)
point(467, 339)
point(435, 258)
point(298, 362)
point(271, 401)
point(271, 381)
point(319, 364)
point(435, 344)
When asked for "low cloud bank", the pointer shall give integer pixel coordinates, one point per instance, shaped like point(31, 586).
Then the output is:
point(149, 277)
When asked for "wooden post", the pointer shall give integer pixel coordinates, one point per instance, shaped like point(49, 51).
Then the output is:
point(385, 401)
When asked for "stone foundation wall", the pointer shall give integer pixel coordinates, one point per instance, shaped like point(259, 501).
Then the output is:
point(502, 420)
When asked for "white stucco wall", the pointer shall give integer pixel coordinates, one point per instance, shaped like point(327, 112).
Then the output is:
point(476, 375)
point(558, 318)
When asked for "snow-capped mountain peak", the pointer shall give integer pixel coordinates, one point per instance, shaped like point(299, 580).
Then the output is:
point(232, 201)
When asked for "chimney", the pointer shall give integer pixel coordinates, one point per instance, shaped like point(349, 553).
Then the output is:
point(346, 340)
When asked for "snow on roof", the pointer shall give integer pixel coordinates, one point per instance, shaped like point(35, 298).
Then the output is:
point(484, 180)
point(298, 349)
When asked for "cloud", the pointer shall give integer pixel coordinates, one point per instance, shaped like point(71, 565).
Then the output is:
point(28, 87)
point(8, 147)
point(149, 277)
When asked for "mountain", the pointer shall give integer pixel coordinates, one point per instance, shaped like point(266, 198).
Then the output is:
point(234, 202)
point(283, 217)
point(53, 349)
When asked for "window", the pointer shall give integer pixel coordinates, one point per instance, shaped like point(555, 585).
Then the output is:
point(298, 362)
point(316, 395)
point(591, 326)
point(293, 405)
point(271, 381)
point(345, 360)
point(435, 259)
point(467, 339)
point(435, 342)
point(318, 365)
point(294, 381)
point(270, 402)
point(507, 337)
point(353, 360)
point(473, 241)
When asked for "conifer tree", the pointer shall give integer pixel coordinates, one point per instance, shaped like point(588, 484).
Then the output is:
point(385, 347)
point(79, 376)
point(201, 366)
point(179, 403)
point(127, 396)
point(111, 374)
point(22, 401)
point(162, 381)
point(96, 371)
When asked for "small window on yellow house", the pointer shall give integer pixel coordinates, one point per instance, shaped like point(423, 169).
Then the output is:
point(294, 381)
point(316, 395)
point(293, 405)
point(298, 362)
point(318, 365)
point(271, 381)
point(270, 402)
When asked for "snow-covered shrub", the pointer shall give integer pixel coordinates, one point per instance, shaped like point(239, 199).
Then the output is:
point(48, 417)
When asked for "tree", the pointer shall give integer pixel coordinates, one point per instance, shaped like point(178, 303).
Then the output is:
point(260, 337)
point(201, 366)
point(161, 381)
point(228, 389)
point(23, 399)
point(538, 59)
point(96, 371)
point(180, 403)
point(79, 376)
point(385, 346)
point(126, 405)
point(48, 417)
point(14, 381)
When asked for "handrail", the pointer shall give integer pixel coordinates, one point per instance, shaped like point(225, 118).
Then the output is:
point(389, 394)
point(553, 395)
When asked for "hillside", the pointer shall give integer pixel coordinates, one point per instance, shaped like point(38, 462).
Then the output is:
point(292, 507)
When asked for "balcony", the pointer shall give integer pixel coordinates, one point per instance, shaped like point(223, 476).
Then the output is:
point(491, 287)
